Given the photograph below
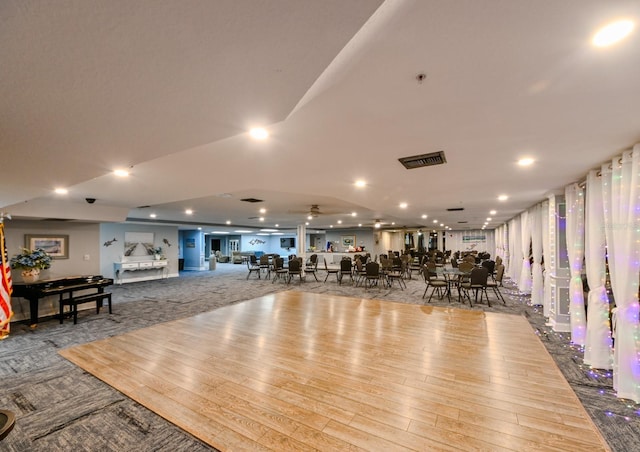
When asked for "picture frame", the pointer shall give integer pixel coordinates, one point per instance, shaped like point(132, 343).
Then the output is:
point(56, 245)
point(348, 240)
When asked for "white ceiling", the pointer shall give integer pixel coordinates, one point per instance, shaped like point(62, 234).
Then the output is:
point(169, 89)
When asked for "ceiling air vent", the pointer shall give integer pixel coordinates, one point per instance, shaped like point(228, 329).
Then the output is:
point(455, 209)
point(418, 161)
point(251, 200)
point(462, 222)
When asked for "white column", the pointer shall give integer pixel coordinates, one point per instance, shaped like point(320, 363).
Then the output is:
point(302, 240)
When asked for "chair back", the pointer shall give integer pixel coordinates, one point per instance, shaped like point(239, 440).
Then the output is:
point(489, 265)
point(278, 263)
point(253, 259)
point(498, 260)
point(479, 276)
point(454, 262)
point(326, 267)
point(314, 259)
point(372, 270)
point(264, 259)
point(294, 265)
point(465, 266)
point(345, 265)
point(358, 265)
point(499, 273)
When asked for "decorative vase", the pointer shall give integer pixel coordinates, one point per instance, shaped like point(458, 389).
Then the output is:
point(157, 256)
point(31, 275)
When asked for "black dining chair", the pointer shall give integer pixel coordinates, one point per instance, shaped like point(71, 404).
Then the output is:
point(346, 268)
point(331, 271)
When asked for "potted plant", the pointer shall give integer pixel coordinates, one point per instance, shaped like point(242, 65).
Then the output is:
point(31, 262)
point(157, 252)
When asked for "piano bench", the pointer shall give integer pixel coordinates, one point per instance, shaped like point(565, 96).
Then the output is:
point(73, 303)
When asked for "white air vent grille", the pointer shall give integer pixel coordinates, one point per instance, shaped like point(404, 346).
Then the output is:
point(419, 161)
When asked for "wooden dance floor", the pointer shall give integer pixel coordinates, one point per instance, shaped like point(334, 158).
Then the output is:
point(302, 371)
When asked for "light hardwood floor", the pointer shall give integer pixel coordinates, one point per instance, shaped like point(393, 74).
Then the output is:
point(302, 371)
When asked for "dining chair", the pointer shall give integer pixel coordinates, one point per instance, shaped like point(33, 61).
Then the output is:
point(280, 273)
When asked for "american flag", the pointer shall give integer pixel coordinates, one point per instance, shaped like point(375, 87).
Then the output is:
point(5, 288)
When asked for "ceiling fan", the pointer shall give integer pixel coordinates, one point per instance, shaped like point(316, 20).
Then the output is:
point(314, 211)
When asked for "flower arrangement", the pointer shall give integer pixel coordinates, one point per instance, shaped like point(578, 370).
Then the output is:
point(157, 251)
point(31, 259)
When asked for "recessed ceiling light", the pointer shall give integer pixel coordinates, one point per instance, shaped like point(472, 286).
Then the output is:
point(354, 214)
point(263, 233)
point(243, 231)
point(330, 225)
point(261, 219)
point(360, 183)
point(393, 223)
point(309, 217)
point(403, 205)
point(359, 225)
point(489, 219)
point(189, 212)
point(377, 224)
point(527, 161)
point(200, 229)
point(306, 223)
point(339, 221)
point(219, 232)
point(258, 133)
point(228, 221)
point(493, 212)
point(424, 216)
point(503, 198)
point(121, 172)
point(277, 233)
point(268, 230)
point(277, 225)
point(263, 210)
point(152, 215)
point(61, 191)
point(441, 224)
point(435, 221)
point(612, 33)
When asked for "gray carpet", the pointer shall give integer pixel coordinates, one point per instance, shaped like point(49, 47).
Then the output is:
point(60, 407)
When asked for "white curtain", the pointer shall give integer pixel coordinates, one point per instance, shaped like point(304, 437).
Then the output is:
point(624, 251)
point(506, 258)
point(515, 260)
point(546, 253)
point(537, 286)
point(524, 283)
point(597, 350)
point(574, 196)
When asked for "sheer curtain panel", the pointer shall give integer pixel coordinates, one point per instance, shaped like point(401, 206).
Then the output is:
point(597, 350)
point(574, 196)
point(524, 283)
point(537, 286)
point(624, 252)
point(546, 255)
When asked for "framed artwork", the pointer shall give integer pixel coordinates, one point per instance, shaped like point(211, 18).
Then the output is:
point(56, 246)
point(138, 244)
point(348, 240)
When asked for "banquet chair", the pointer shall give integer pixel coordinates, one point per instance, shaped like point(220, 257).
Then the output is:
point(372, 274)
point(435, 284)
point(253, 267)
point(279, 271)
point(264, 265)
point(491, 266)
point(312, 266)
point(359, 271)
point(497, 282)
point(397, 275)
point(346, 268)
point(295, 268)
point(478, 283)
point(331, 271)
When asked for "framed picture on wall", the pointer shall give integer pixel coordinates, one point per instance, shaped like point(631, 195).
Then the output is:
point(348, 240)
point(56, 246)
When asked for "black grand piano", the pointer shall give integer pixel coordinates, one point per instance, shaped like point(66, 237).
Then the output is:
point(65, 288)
